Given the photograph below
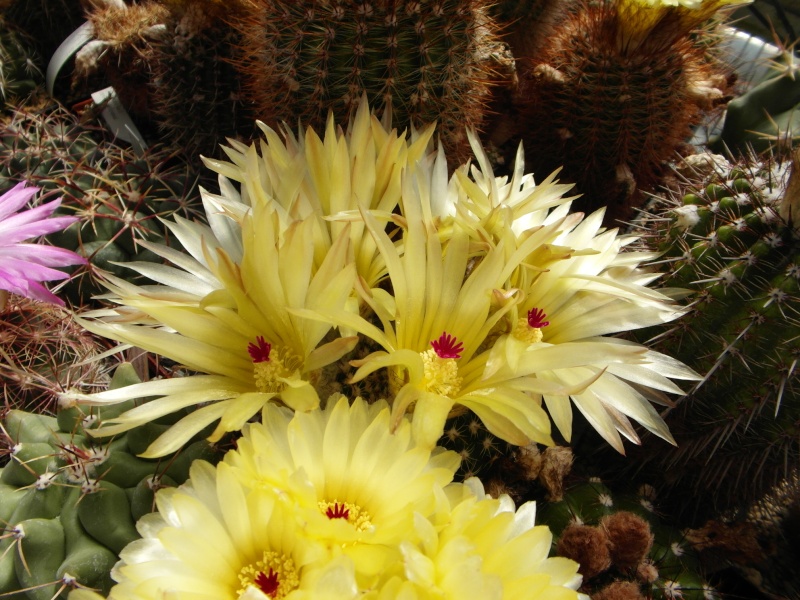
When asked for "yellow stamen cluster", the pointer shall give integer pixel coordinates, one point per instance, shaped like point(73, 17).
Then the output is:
point(441, 374)
point(280, 565)
point(524, 332)
point(281, 365)
point(355, 515)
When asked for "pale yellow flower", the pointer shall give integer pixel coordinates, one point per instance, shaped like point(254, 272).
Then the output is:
point(485, 549)
point(355, 484)
point(214, 539)
point(224, 310)
point(330, 179)
point(663, 19)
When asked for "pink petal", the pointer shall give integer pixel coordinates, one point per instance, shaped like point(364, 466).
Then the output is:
point(33, 223)
point(15, 198)
point(42, 254)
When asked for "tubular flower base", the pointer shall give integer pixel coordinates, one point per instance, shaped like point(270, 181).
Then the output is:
point(329, 505)
point(23, 266)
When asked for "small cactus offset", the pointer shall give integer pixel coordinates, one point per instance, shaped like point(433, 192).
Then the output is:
point(118, 195)
point(728, 241)
point(43, 352)
point(612, 94)
point(70, 501)
point(625, 549)
point(417, 61)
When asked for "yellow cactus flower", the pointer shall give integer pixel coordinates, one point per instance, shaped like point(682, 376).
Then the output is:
point(355, 485)
point(224, 311)
point(486, 549)
point(213, 538)
point(330, 178)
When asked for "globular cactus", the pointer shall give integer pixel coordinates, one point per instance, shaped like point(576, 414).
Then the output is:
point(625, 549)
point(69, 502)
point(118, 194)
point(417, 61)
point(526, 24)
point(20, 66)
point(612, 96)
point(43, 352)
point(729, 242)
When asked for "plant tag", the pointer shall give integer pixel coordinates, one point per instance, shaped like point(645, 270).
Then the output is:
point(74, 42)
point(118, 120)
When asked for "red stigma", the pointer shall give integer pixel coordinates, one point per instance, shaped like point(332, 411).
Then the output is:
point(447, 346)
point(337, 511)
point(267, 583)
point(536, 318)
point(259, 351)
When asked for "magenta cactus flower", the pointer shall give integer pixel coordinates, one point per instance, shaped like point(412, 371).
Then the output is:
point(23, 266)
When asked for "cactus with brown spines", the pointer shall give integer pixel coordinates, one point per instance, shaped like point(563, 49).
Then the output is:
point(612, 96)
point(727, 240)
point(118, 195)
point(418, 61)
point(526, 24)
point(43, 352)
point(196, 93)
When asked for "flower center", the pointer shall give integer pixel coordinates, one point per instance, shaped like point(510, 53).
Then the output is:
point(271, 365)
point(447, 346)
point(352, 513)
point(530, 329)
point(275, 575)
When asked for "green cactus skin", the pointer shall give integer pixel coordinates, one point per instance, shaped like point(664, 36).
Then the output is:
point(420, 61)
point(20, 66)
point(196, 92)
point(766, 116)
point(44, 352)
point(669, 566)
point(82, 496)
point(613, 115)
point(725, 241)
point(118, 195)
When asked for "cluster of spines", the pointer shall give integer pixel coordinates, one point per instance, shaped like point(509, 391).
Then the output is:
point(625, 548)
point(726, 242)
point(418, 62)
point(42, 353)
point(69, 502)
point(195, 91)
point(118, 194)
point(612, 114)
point(20, 66)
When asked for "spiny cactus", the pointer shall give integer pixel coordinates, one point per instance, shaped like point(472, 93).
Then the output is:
point(417, 61)
point(526, 24)
point(118, 195)
point(69, 502)
point(727, 242)
point(197, 98)
point(42, 353)
point(625, 549)
point(611, 97)
point(766, 116)
point(20, 66)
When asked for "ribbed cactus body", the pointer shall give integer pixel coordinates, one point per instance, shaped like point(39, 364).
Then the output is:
point(612, 108)
point(725, 241)
point(196, 96)
point(118, 195)
point(75, 498)
point(419, 61)
point(621, 541)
